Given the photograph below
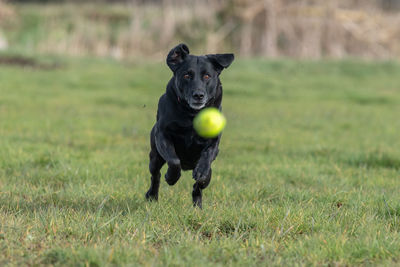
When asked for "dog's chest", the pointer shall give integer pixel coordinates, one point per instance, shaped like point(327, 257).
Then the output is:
point(188, 145)
point(185, 137)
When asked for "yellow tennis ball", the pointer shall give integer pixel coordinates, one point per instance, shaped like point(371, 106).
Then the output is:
point(209, 123)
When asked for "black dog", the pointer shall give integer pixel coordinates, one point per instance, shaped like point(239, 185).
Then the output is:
point(195, 85)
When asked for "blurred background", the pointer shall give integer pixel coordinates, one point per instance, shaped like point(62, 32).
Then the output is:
point(125, 29)
point(308, 172)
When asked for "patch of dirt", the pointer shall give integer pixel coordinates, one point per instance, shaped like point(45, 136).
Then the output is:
point(24, 62)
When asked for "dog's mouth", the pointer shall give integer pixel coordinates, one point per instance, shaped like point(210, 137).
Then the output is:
point(197, 105)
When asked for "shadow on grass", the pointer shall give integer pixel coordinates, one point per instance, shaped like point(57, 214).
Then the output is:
point(44, 203)
point(370, 99)
point(374, 160)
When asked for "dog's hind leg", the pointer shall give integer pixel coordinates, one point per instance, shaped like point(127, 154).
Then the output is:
point(197, 190)
point(156, 163)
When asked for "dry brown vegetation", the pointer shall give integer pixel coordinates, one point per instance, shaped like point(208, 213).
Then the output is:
point(269, 28)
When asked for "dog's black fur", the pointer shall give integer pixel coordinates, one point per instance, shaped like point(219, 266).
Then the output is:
point(195, 85)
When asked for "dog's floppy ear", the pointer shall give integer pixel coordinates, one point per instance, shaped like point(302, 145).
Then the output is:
point(221, 61)
point(176, 56)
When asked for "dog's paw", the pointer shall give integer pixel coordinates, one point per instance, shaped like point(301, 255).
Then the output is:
point(173, 174)
point(201, 172)
point(197, 202)
point(151, 196)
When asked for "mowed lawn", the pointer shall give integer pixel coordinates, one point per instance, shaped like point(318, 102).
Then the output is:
point(308, 171)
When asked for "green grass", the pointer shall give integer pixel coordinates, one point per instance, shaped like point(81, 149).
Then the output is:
point(308, 172)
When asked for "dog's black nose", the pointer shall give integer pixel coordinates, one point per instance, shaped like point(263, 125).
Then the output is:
point(198, 95)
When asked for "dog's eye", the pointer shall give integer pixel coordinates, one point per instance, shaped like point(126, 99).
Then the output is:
point(206, 77)
point(186, 76)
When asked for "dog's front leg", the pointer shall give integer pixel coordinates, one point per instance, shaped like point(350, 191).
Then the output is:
point(167, 150)
point(203, 167)
point(202, 171)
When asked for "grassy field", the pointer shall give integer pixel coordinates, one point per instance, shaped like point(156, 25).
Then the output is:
point(308, 172)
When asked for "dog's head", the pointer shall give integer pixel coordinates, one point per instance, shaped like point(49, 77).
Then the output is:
point(196, 78)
